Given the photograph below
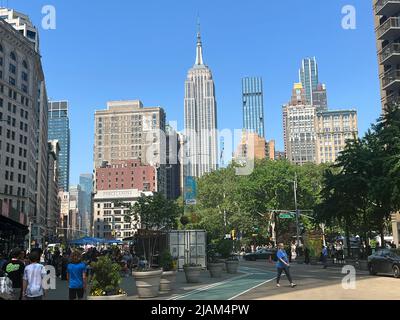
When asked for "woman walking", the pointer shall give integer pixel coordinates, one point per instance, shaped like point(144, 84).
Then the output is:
point(283, 265)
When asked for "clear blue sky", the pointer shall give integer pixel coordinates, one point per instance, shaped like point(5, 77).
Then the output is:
point(131, 49)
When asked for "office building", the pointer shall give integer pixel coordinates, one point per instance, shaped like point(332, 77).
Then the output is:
point(129, 131)
point(59, 130)
point(110, 208)
point(201, 146)
point(23, 138)
point(332, 129)
point(253, 105)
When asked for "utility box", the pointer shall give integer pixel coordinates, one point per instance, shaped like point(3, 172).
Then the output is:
point(188, 246)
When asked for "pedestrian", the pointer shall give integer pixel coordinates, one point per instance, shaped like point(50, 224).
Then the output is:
point(15, 271)
point(64, 265)
point(325, 257)
point(76, 275)
point(307, 255)
point(293, 251)
point(283, 265)
point(34, 273)
point(3, 260)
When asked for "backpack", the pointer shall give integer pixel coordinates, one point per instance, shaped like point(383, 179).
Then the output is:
point(6, 288)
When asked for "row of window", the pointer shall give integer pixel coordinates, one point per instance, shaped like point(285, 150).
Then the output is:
point(10, 189)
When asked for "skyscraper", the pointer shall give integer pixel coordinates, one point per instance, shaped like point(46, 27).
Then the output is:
point(201, 149)
point(315, 92)
point(59, 130)
point(253, 105)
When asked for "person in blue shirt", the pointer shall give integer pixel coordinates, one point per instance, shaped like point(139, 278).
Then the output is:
point(76, 276)
point(325, 257)
point(283, 265)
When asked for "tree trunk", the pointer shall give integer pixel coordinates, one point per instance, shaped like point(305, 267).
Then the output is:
point(382, 232)
point(348, 239)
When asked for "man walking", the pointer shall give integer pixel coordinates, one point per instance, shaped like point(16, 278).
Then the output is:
point(33, 278)
point(325, 257)
point(283, 265)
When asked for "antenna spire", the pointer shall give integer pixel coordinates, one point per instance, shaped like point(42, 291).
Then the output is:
point(199, 50)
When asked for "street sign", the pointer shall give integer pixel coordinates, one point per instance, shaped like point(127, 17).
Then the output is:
point(287, 215)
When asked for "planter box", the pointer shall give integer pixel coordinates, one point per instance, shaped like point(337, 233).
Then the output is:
point(216, 269)
point(168, 280)
point(192, 274)
point(108, 298)
point(232, 266)
point(148, 283)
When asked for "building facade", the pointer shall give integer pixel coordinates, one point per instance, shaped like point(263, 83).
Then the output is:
point(59, 130)
point(173, 167)
point(86, 184)
point(23, 136)
point(387, 31)
point(333, 129)
point(76, 200)
point(128, 131)
point(252, 146)
point(110, 209)
point(201, 147)
point(300, 133)
point(126, 175)
point(253, 105)
point(53, 200)
point(64, 230)
point(387, 22)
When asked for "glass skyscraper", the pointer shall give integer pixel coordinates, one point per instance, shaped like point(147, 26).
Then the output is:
point(59, 130)
point(253, 105)
point(86, 184)
point(309, 78)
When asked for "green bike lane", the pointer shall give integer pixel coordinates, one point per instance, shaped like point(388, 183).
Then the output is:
point(250, 279)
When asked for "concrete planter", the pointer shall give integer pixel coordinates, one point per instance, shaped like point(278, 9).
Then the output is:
point(148, 283)
point(314, 261)
point(108, 298)
point(192, 274)
point(232, 266)
point(168, 280)
point(216, 269)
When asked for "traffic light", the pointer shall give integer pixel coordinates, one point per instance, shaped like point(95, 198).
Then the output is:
point(233, 234)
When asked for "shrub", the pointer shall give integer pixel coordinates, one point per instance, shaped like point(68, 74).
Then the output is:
point(106, 277)
point(224, 248)
point(167, 262)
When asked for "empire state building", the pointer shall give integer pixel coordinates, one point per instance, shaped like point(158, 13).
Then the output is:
point(200, 118)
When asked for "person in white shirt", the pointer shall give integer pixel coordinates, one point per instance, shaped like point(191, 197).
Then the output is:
point(33, 279)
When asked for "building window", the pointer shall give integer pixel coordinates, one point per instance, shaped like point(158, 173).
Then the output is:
point(13, 56)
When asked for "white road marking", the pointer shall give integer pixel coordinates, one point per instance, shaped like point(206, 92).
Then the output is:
point(208, 287)
point(244, 292)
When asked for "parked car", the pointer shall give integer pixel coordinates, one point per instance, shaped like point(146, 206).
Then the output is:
point(384, 261)
point(261, 254)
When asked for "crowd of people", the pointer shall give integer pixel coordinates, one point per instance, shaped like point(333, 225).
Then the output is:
point(27, 270)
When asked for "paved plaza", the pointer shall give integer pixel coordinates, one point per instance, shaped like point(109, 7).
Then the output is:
point(257, 281)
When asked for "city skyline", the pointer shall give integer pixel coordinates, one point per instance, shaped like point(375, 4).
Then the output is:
point(229, 61)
